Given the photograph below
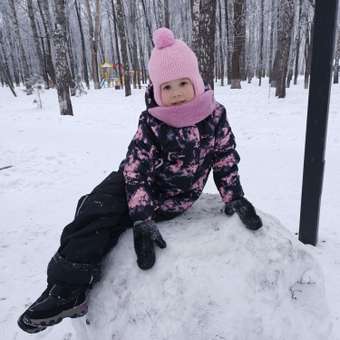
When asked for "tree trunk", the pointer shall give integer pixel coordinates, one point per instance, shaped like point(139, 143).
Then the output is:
point(298, 43)
point(239, 38)
point(166, 14)
point(207, 30)
point(229, 41)
point(20, 46)
point(12, 58)
point(117, 43)
point(96, 35)
point(147, 21)
point(221, 43)
point(110, 35)
point(42, 69)
point(284, 34)
point(260, 67)
point(71, 62)
point(308, 53)
point(5, 77)
point(62, 70)
point(243, 48)
point(141, 53)
point(250, 41)
point(4, 69)
point(123, 45)
point(46, 20)
point(195, 18)
point(102, 54)
point(158, 15)
point(289, 76)
point(84, 59)
point(272, 81)
point(134, 47)
point(291, 62)
point(93, 42)
point(44, 56)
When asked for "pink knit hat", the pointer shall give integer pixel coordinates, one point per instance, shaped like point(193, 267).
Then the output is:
point(172, 59)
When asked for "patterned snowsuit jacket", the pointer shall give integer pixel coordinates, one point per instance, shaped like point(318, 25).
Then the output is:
point(166, 168)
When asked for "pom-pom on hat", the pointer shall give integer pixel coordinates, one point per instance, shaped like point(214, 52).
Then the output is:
point(172, 59)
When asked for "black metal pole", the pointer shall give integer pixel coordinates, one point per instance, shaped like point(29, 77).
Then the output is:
point(319, 91)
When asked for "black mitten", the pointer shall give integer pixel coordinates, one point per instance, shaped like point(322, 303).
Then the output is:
point(145, 234)
point(245, 211)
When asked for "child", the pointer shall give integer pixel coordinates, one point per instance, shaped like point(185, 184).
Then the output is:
point(181, 136)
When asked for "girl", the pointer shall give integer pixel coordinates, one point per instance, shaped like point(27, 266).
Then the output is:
point(181, 136)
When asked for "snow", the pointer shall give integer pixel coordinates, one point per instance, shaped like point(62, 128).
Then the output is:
point(57, 159)
point(215, 280)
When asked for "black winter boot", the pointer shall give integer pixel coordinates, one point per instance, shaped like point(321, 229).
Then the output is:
point(56, 303)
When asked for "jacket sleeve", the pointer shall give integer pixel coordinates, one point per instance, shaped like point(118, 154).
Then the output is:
point(226, 158)
point(138, 171)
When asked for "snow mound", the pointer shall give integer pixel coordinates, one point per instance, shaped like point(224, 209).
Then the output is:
point(215, 280)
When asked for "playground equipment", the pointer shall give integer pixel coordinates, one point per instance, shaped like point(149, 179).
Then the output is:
point(109, 75)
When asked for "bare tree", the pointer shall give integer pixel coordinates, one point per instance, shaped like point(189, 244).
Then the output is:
point(4, 69)
point(195, 19)
point(61, 65)
point(158, 13)
point(298, 43)
point(285, 26)
point(260, 67)
point(228, 40)
point(271, 41)
point(221, 42)
point(308, 52)
point(241, 39)
point(84, 58)
point(117, 42)
point(207, 30)
point(250, 41)
point(134, 47)
point(93, 36)
point(10, 50)
point(147, 21)
point(166, 14)
point(5, 76)
point(24, 68)
point(39, 55)
point(142, 51)
point(46, 21)
point(123, 45)
point(239, 43)
point(71, 59)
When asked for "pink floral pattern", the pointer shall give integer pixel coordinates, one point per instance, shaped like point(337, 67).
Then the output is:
point(166, 168)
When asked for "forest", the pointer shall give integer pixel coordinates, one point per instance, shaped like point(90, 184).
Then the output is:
point(77, 44)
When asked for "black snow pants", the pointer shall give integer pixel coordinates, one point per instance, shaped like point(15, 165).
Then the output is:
point(100, 218)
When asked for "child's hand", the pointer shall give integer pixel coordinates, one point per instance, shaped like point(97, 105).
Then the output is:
point(245, 211)
point(145, 234)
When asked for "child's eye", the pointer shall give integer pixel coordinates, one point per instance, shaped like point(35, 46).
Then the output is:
point(183, 83)
point(166, 87)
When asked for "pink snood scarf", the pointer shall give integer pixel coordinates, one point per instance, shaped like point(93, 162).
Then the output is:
point(187, 114)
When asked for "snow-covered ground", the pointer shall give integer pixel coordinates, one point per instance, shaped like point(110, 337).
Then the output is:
point(57, 159)
point(215, 280)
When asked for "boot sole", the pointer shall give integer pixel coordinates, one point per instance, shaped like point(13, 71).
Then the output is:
point(29, 328)
point(74, 312)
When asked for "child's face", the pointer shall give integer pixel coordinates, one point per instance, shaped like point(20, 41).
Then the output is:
point(176, 92)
